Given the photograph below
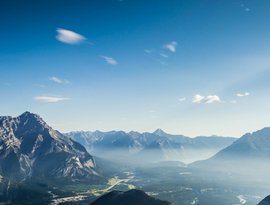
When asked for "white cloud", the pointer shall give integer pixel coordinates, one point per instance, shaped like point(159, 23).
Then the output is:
point(207, 100)
point(243, 94)
point(58, 80)
point(69, 37)
point(197, 99)
point(233, 101)
point(211, 99)
point(181, 99)
point(49, 99)
point(109, 60)
point(171, 46)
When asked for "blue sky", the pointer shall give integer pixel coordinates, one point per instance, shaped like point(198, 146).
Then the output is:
point(190, 67)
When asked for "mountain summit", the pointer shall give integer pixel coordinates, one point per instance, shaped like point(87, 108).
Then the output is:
point(159, 132)
point(131, 197)
point(31, 148)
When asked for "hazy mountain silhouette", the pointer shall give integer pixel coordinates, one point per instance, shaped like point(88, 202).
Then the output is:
point(248, 157)
point(156, 146)
point(250, 145)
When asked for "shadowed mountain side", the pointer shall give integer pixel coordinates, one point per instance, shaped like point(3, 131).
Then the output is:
point(265, 201)
point(131, 197)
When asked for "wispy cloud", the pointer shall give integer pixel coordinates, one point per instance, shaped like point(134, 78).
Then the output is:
point(109, 60)
point(243, 94)
point(171, 46)
point(245, 7)
point(233, 101)
point(40, 85)
point(163, 62)
point(181, 99)
point(152, 111)
point(205, 99)
point(49, 99)
point(148, 51)
point(164, 55)
point(58, 80)
point(69, 37)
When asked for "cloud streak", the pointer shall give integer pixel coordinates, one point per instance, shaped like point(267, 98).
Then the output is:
point(164, 55)
point(69, 37)
point(243, 94)
point(58, 80)
point(109, 60)
point(171, 46)
point(181, 99)
point(49, 99)
point(148, 51)
point(199, 99)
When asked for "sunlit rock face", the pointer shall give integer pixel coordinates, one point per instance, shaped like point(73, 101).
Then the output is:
point(30, 148)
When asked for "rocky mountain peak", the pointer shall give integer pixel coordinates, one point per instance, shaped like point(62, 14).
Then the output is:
point(159, 132)
point(31, 148)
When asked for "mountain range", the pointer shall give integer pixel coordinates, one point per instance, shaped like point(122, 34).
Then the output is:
point(151, 147)
point(31, 151)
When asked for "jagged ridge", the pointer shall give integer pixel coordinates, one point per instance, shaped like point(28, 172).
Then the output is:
point(30, 148)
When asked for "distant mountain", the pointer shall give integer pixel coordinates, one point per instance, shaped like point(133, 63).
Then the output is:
point(131, 197)
point(156, 146)
point(251, 145)
point(248, 156)
point(29, 148)
point(265, 201)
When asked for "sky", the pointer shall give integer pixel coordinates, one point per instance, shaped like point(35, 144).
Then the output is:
point(197, 67)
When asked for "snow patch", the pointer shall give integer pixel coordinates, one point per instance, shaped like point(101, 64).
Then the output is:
point(242, 199)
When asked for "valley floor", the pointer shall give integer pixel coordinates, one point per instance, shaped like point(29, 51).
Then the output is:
point(179, 185)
